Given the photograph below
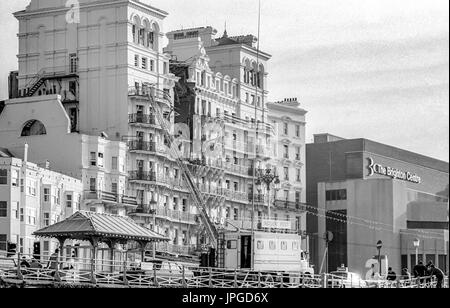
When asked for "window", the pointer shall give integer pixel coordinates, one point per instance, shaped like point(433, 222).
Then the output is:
point(3, 209)
point(150, 39)
point(3, 177)
point(114, 163)
point(298, 177)
point(294, 245)
point(286, 173)
point(283, 245)
point(272, 245)
point(298, 153)
point(46, 194)
point(286, 128)
point(73, 63)
point(141, 36)
point(236, 186)
point(46, 219)
point(134, 33)
point(69, 201)
point(260, 245)
point(15, 210)
point(15, 178)
point(286, 152)
point(22, 219)
point(297, 197)
point(136, 60)
point(231, 244)
point(33, 128)
point(100, 160)
point(3, 242)
point(152, 65)
point(144, 63)
point(93, 184)
point(297, 131)
point(236, 214)
point(93, 159)
point(336, 195)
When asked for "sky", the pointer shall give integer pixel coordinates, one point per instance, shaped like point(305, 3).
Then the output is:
point(375, 69)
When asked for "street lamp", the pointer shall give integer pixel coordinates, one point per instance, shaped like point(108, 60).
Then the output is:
point(417, 245)
point(268, 177)
point(379, 246)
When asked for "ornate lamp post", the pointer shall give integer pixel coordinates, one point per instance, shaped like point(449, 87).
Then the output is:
point(267, 177)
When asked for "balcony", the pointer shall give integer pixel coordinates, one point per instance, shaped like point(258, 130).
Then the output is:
point(108, 197)
point(285, 204)
point(248, 124)
point(259, 198)
point(218, 191)
point(147, 176)
point(144, 119)
point(145, 146)
point(146, 92)
point(236, 196)
point(242, 170)
point(176, 215)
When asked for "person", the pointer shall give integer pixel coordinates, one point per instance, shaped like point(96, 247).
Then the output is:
point(392, 276)
point(35, 264)
point(406, 275)
point(24, 262)
point(53, 262)
point(438, 273)
point(419, 270)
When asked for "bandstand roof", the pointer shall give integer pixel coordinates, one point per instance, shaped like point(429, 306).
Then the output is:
point(86, 225)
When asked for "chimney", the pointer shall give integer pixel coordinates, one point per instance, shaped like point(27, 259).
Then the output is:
point(47, 164)
point(25, 153)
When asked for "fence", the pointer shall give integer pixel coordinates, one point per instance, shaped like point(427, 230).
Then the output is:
point(120, 274)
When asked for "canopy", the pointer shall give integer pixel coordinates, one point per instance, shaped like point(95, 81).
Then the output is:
point(87, 225)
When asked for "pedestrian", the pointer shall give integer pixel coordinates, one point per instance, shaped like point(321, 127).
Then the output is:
point(419, 270)
point(35, 264)
point(53, 262)
point(392, 276)
point(439, 274)
point(406, 275)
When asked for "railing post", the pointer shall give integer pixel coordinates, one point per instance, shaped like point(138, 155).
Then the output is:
point(125, 279)
point(235, 279)
point(155, 279)
point(93, 278)
point(19, 271)
point(324, 281)
point(282, 281)
point(210, 278)
point(57, 276)
point(183, 281)
point(259, 280)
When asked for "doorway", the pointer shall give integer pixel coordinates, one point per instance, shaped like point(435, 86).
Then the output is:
point(246, 252)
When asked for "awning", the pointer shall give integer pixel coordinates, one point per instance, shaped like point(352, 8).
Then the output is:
point(87, 225)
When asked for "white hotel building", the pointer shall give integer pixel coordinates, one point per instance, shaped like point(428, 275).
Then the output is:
point(84, 87)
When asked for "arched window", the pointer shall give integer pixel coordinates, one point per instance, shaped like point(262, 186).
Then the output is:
point(33, 128)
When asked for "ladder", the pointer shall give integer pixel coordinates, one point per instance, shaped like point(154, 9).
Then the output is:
point(187, 175)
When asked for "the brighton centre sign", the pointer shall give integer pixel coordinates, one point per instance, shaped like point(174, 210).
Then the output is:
point(394, 173)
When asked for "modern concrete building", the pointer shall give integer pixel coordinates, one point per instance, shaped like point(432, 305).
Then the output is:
point(33, 197)
point(364, 192)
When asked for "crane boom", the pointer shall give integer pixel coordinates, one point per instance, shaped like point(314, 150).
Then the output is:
point(187, 175)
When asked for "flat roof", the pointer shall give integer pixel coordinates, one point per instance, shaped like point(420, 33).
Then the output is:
point(389, 151)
